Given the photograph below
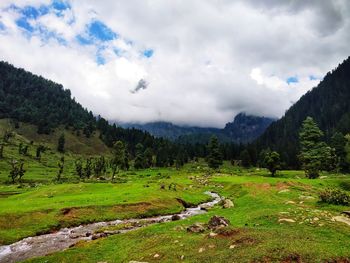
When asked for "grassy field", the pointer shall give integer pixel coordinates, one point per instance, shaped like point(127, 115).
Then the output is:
point(256, 232)
point(276, 219)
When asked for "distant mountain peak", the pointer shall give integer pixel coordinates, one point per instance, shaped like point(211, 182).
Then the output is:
point(244, 128)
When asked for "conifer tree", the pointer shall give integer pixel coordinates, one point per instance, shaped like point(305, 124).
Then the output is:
point(214, 157)
point(61, 143)
point(118, 160)
point(139, 159)
point(314, 152)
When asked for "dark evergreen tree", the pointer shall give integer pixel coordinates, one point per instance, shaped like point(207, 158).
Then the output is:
point(139, 158)
point(118, 160)
point(214, 158)
point(148, 155)
point(314, 152)
point(61, 143)
point(79, 168)
point(60, 165)
point(338, 142)
point(245, 158)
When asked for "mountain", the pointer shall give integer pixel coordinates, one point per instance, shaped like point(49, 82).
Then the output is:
point(47, 106)
point(244, 128)
point(328, 104)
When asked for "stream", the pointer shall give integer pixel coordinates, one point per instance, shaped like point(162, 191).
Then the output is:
point(67, 237)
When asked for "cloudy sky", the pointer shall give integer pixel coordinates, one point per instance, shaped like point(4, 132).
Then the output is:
point(194, 62)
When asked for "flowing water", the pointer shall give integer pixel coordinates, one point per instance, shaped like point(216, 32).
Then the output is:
point(45, 244)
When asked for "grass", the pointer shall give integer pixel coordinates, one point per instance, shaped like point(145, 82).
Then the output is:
point(256, 233)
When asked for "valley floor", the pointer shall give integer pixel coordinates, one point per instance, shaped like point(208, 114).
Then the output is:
point(273, 219)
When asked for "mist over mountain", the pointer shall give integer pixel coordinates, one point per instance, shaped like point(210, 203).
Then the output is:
point(244, 128)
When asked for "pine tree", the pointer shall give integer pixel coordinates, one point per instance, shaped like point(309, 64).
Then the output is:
point(314, 152)
point(61, 143)
point(139, 159)
point(1, 151)
point(214, 157)
point(347, 152)
point(60, 165)
point(245, 158)
point(79, 168)
point(148, 155)
point(118, 161)
point(338, 142)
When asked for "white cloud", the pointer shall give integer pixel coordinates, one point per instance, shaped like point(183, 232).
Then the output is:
point(212, 59)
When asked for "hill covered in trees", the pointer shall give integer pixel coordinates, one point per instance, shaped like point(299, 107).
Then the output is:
point(328, 104)
point(245, 128)
point(25, 97)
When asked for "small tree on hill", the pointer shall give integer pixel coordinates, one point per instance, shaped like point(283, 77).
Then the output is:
point(314, 152)
point(60, 165)
point(214, 157)
point(40, 149)
point(272, 162)
point(88, 168)
point(79, 168)
point(17, 170)
point(61, 143)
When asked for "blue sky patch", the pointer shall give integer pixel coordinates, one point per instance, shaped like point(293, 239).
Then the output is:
point(84, 40)
point(2, 26)
point(60, 5)
point(148, 53)
point(312, 77)
point(24, 24)
point(100, 31)
point(292, 80)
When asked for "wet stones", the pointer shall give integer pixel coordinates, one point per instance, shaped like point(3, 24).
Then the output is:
point(175, 218)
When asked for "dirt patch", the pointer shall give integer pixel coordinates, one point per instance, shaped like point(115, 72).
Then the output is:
point(292, 258)
point(227, 233)
point(245, 241)
point(282, 186)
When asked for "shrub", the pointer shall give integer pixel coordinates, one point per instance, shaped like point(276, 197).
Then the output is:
point(335, 196)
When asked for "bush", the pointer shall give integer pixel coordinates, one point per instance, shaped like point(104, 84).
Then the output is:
point(335, 196)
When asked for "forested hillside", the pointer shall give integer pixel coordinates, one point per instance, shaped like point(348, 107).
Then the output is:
point(25, 97)
point(328, 104)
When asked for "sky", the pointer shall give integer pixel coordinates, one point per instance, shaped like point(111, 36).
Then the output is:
point(190, 62)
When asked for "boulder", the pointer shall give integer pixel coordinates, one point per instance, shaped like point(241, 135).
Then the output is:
point(227, 203)
point(218, 222)
point(98, 235)
point(196, 228)
point(175, 218)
